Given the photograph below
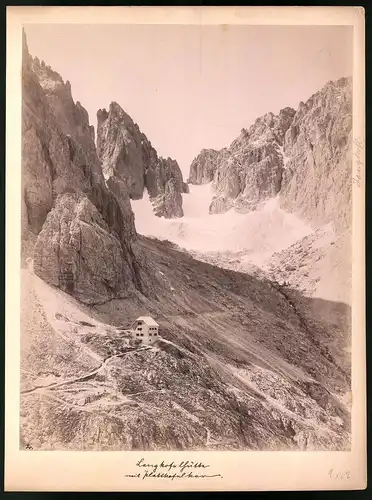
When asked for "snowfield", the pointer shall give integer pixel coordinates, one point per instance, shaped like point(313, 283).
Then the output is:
point(259, 234)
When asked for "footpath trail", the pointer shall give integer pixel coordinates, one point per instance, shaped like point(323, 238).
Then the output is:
point(92, 406)
point(83, 378)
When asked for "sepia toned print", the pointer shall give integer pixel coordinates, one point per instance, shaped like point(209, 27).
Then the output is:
point(189, 209)
point(242, 265)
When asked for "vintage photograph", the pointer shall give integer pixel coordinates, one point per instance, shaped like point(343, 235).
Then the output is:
point(186, 237)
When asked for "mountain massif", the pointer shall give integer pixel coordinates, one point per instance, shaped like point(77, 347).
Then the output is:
point(82, 230)
point(303, 156)
point(243, 362)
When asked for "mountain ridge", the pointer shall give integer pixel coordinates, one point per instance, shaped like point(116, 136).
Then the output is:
point(278, 154)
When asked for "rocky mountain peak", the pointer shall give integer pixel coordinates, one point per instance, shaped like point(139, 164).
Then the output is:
point(126, 153)
point(115, 108)
point(49, 79)
point(102, 115)
point(271, 127)
point(250, 169)
point(116, 114)
point(203, 167)
point(25, 51)
point(72, 117)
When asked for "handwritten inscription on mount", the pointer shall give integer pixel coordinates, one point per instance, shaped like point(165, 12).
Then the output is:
point(358, 154)
point(172, 470)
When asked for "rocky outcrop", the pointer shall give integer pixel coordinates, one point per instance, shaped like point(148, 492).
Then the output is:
point(317, 181)
point(169, 204)
point(203, 167)
point(250, 175)
point(65, 195)
point(77, 251)
point(250, 170)
point(128, 155)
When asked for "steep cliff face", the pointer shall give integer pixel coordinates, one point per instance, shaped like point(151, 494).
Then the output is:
point(317, 181)
point(47, 165)
point(64, 194)
point(304, 155)
point(80, 253)
point(72, 118)
point(127, 154)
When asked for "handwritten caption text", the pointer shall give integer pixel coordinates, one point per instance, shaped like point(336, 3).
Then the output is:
point(187, 469)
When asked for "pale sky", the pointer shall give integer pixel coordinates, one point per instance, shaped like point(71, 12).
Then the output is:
point(191, 87)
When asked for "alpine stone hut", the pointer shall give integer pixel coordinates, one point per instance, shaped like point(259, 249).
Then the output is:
point(146, 329)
